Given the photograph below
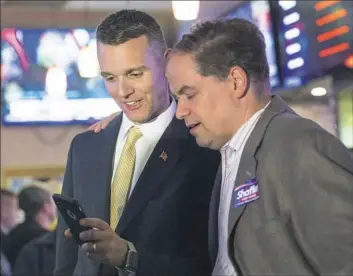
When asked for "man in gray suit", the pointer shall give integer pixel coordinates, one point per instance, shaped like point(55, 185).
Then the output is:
point(283, 201)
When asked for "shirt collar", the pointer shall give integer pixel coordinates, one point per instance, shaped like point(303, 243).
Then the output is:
point(237, 140)
point(154, 129)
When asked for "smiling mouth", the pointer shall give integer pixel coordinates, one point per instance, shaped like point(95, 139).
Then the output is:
point(133, 105)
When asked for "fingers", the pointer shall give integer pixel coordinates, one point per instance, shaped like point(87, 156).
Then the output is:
point(95, 223)
point(95, 251)
point(106, 251)
point(97, 256)
point(95, 247)
point(101, 125)
point(97, 127)
point(95, 235)
point(68, 233)
point(93, 127)
point(107, 247)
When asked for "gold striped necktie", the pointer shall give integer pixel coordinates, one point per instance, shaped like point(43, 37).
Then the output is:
point(123, 176)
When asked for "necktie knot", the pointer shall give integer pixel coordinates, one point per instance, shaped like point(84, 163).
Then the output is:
point(133, 135)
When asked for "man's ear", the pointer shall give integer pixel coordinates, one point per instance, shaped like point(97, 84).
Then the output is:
point(167, 52)
point(239, 81)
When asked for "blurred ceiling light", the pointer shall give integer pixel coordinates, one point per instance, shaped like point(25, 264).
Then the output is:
point(186, 10)
point(295, 63)
point(292, 33)
point(293, 48)
point(318, 91)
point(291, 18)
point(287, 5)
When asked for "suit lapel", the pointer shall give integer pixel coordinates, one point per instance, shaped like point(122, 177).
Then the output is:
point(248, 162)
point(105, 168)
point(213, 217)
point(172, 143)
point(246, 171)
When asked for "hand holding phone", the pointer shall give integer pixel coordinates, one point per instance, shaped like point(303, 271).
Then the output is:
point(72, 212)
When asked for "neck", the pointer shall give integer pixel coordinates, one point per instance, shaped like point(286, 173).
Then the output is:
point(256, 99)
point(248, 107)
point(164, 106)
point(165, 103)
point(253, 108)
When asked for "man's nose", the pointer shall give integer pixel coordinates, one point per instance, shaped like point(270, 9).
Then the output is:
point(124, 89)
point(182, 111)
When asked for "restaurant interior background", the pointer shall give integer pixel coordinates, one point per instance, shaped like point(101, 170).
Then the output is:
point(51, 89)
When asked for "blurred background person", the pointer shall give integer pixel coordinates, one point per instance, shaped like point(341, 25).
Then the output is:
point(37, 257)
point(9, 219)
point(40, 212)
point(9, 212)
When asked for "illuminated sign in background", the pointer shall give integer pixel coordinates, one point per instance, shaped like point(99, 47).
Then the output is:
point(314, 37)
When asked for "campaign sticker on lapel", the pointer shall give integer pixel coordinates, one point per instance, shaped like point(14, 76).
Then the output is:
point(246, 193)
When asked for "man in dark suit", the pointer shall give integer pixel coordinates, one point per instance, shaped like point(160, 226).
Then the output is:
point(40, 212)
point(144, 172)
point(283, 200)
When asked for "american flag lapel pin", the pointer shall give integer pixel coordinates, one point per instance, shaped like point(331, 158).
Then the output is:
point(164, 156)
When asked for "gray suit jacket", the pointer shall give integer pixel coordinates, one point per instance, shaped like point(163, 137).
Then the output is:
point(302, 222)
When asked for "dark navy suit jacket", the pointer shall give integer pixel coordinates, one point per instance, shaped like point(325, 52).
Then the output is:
point(166, 216)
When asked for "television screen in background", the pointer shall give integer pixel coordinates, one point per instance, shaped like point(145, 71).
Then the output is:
point(51, 76)
point(258, 12)
point(345, 116)
point(315, 37)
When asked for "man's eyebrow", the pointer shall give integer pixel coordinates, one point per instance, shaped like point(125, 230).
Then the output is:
point(127, 71)
point(130, 70)
point(106, 74)
point(183, 89)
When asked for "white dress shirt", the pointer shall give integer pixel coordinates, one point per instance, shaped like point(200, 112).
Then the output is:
point(231, 154)
point(151, 133)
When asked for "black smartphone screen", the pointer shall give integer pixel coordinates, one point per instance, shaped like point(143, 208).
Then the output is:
point(72, 212)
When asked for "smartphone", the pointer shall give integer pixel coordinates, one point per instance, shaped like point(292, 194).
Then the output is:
point(72, 213)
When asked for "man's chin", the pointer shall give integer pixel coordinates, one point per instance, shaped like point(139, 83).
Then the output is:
point(203, 143)
point(137, 118)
